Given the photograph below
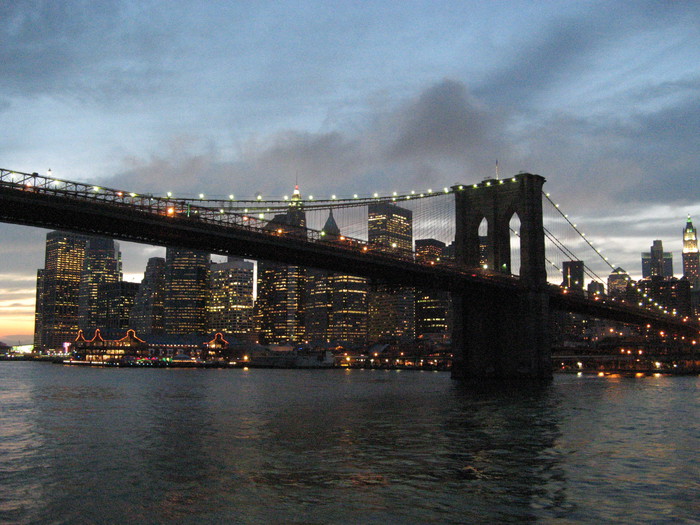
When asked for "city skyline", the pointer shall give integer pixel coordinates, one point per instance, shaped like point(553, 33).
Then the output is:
point(600, 98)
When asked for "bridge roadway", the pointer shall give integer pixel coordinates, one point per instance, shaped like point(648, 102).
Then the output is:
point(149, 220)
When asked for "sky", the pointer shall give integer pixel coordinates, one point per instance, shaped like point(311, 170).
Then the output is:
point(602, 98)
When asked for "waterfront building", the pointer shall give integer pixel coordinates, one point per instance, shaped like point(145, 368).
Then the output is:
point(391, 308)
point(657, 262)
point(230, 304)
point(691, 255)
point(282, 294)
point(57, 292)
point(573, 275)
point(186, 291)
point(147, 313)
point(336, 309)
point(97, 349)
point(101, 266)
point(432, 306)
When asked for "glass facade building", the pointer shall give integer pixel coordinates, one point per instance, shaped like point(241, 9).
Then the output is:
point(186, 291)
point(58, 289)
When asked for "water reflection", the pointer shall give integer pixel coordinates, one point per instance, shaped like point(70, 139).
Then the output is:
point(154, 446)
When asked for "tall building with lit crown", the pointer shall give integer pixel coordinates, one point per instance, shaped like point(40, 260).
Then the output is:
point(432, 306)
point(336, 309)
point(391, 308)
point(691, 255)
point(101, 266)
point(146, 315)
point(58, 287)
point(282, 294)
point(230, 305)
point(186, 291)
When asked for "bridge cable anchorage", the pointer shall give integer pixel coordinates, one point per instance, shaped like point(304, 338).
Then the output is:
point(588, 271)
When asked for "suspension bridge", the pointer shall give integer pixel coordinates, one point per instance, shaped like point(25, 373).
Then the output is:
point(501, 307)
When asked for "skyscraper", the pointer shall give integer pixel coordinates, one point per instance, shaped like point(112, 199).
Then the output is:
point(691, 255)
point(58, 286)
point(116, 301)
point(186, 291)
point(336, 308)
point(147, 313)
point(101, 266)
point(391, 308)
point(573, 275)
point(282, 294)
point(432, 306)
point(390, 226)
point(657, 262)
point(230, 305)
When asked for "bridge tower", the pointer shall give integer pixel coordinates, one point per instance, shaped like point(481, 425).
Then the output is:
point(502, 334)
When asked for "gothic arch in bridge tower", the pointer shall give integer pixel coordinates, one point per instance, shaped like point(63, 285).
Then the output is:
point(497, 201)
point(514, 226)
point(502, 332)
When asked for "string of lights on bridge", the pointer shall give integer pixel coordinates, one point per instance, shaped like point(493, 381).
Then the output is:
point(262, 206)
point(644, 297)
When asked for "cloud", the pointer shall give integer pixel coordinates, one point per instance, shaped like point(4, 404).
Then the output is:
point(437, 136)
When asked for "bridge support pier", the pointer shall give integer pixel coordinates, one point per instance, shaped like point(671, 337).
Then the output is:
point(502, 332)
point(499, 337)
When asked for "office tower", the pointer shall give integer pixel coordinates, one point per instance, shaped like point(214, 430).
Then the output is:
point(336, 309)
point(573, 275)
point(432, 306)
point(58, 286)
point(281, 301)
point(691, 255)
point(146, 315)
point(101, 265)
point(656, 262)
point(390, 227)
point(230, 306)
point(186, 291)
point(618, 281)
point(391, 308)
point(116, 300)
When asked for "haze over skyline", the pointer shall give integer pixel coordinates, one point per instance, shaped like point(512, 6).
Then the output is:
point(600, 98)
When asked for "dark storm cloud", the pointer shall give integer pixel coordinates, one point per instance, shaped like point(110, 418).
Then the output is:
point(426, 140)
point(443, 121)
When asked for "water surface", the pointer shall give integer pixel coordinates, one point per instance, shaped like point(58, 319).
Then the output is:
point(108, 445)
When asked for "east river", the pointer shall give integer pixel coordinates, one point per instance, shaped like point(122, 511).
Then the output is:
point(109, 445)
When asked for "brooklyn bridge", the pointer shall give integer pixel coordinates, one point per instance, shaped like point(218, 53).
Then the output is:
point(502, 299)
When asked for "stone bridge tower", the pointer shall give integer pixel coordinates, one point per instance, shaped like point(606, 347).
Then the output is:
point(502, 333)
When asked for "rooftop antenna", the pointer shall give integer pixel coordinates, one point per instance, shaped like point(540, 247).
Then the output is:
point(497, 175)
